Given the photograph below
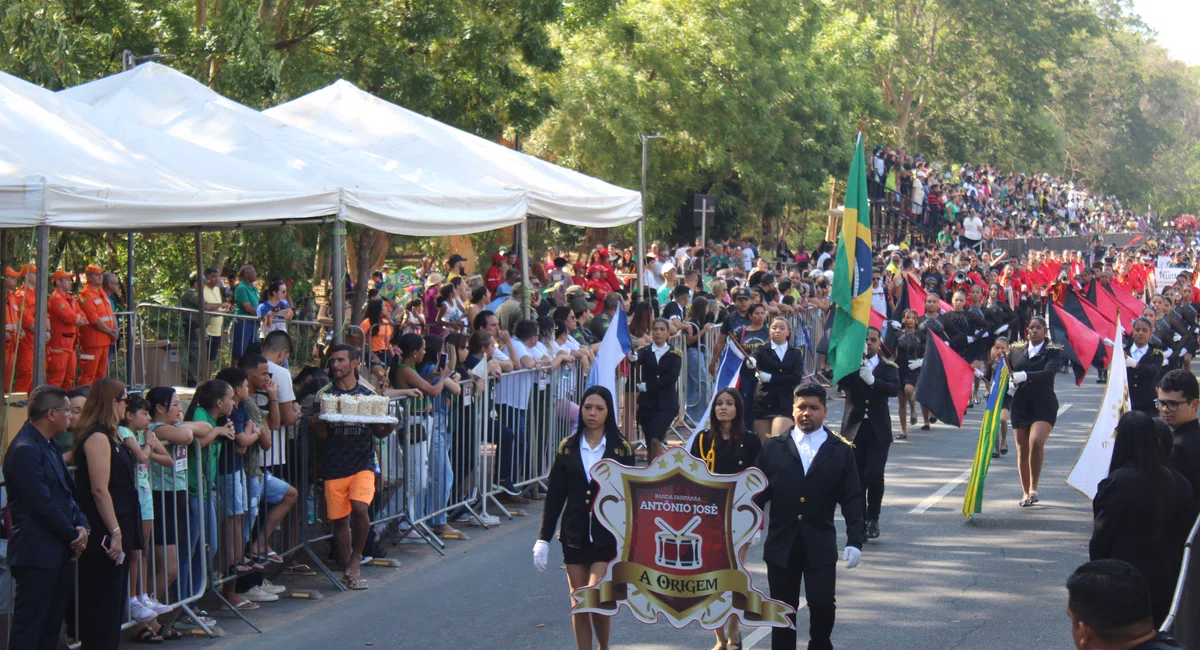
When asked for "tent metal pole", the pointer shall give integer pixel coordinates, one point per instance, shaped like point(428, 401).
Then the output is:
point(39, 315)
point(338, 262)
point(641, 223)
point(201, 316)
point(130, 306)
point(527, 293)
point(5, 371)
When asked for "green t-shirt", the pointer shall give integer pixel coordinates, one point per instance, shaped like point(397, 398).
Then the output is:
point(143, 469)
point(211, 453)
point(718, 260)
point(170, 479)
point(246, 293)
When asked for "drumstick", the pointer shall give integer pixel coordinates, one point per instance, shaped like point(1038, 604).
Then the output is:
point(665, 528)
point(687, 530)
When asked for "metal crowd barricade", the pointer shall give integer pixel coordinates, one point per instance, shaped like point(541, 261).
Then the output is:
point(1183, 619)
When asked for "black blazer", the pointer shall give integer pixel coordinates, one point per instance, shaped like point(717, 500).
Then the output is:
point(785, 375)
point(571, 493)
point(1040, 371)
point(870, 402)
point(802, 504)
point(661, 378)
point(41, 498)
point(1143, 378)
point(1185, 455)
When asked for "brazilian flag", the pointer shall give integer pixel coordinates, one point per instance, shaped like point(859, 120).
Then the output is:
point(988, 432)
point(852, 275)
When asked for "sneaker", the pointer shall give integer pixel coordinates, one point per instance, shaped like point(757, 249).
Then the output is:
point(153, 605)
point(256, 595)
point(268, 587)
point(508, 488)
point(366, 559)
point(139, 612)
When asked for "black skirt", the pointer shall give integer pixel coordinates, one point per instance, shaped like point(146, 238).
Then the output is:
point(980, 348)
point(1029, 407)
point(655, 423)
point(909, 377)
point(601, 549)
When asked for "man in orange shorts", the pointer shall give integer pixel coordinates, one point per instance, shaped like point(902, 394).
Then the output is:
point(349, 466)
point(65, 319)
point(100, 332)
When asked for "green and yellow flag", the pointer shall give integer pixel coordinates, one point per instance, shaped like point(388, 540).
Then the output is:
point(852, 274)
point(973, 500)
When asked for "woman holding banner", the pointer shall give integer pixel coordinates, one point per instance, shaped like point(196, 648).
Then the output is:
point(1034, 363)
point(587, 545)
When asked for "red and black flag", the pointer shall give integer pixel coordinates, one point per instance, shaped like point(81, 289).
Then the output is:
point(1088, 314)
point(1080, 344)
point(912, 296)
point(944, 386)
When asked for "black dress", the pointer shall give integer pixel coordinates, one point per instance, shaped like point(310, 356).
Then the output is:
point(774, 398)
point(571, 492)
point(910, 346)
point(658, 405)
point(959, 326)
point(982, 333)
point(103, 583)
point(726, 456)
point(1035, 400)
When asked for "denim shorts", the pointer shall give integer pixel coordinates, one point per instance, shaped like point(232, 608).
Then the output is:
point(231, 493)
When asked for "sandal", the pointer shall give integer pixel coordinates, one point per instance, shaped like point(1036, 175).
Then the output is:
point(995, 454)
point(274, 557)
point(902, 436)
point(1004, 450)
point(1033, 497)
point(169, 634)
point(245, 605)
point(1025, 503)
point(300, 569)
point(241, 569)
point(145, 635)
point(925, 427)
point(356, 583)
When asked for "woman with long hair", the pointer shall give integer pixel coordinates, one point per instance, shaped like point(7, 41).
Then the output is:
point(640, 322)
point(780, 368)
point(107, 495)
point(587, 545)
point(1034, 363)
point(910, 355)
point(477, 302)
point(1143, 510)
point(727, 448)
point(751, 337)
point(379, 331)
point(998, 353)
point(981, 347)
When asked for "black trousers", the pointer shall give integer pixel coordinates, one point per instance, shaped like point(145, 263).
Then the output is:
point(39, 603)
point(818, 591)
point(870, 454)
point(102, 597)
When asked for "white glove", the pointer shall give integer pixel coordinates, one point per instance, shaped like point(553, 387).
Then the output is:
point(541, 551)
point(1002, 329)
point(757, 538)
point(894, 324)
point(764, 377)
point(632, 356)
point(852, 556)
point(1109, 342)
point(866, 375)
point(1167, 353)
point(751, 363)
point(1130, 363)
point(1165, 362)
point(915, 363)
point(970, 339)
point(1012, 389)
point(641, 386)
point(978, 373)
point(1177, 338)
point(1019, 377)
point(985, 334)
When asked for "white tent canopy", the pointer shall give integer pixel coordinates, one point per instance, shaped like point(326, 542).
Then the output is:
point(374, 190)
point(61, 167)
point(352, 117)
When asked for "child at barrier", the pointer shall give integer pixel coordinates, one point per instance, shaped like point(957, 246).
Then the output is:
point(146, 449)
point(211, 405)
point(435, 369)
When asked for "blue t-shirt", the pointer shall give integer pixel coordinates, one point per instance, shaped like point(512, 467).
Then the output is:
point(230, 461)
point(277, 324)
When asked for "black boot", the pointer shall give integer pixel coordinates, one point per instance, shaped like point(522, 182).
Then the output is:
point(872, 528)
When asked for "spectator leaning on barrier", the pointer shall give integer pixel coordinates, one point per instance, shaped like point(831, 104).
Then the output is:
point(49, 531)
point(349, 460)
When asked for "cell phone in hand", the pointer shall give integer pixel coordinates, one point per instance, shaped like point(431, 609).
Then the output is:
point(443, 359)
point(106, 544)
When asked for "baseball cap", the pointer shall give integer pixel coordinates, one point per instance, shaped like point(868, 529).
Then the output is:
point(497, 258)
point(740, 292)
point(59, 275)
point(92, 268)
point(667, 268)
point(455, 259)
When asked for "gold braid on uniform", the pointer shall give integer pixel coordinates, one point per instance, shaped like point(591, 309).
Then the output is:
point(709, 457)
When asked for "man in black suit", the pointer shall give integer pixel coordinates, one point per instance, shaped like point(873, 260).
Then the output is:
point(809, 471)
point(867, 423)
point(1178, 399)
point(49, 531)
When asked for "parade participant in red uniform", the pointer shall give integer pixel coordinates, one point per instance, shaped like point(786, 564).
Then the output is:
point(600, 259)
point(100, 332)
point(495, 275)
point(27, 295)
point(65, 320)
point(12, 325)
point(598, 284)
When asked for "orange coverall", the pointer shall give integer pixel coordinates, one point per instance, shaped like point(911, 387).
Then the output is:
point(25, 346)
point(94, 344)
point(64, 329)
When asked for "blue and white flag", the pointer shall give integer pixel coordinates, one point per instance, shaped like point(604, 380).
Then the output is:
point(613, 348)
point(728, 376)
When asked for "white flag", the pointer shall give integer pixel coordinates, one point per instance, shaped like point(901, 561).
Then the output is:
point(1092, 466)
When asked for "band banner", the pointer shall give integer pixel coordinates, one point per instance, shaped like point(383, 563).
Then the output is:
point(679, 529)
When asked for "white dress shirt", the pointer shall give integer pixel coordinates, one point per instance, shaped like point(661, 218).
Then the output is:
point(872, 362)
point(808, 444)
point(659, 352)
point(1034, 349)
point(780, 350)
point(591, 456)
point(1137, 353)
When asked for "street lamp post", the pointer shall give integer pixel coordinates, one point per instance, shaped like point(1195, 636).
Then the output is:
point(641, 224)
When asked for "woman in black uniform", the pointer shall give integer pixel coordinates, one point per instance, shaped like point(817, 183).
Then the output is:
point(727, 448)
point(1144, 365)
point(961, 327)
point(910, 354)
point(780, 370)
point(751, 337)
point(933, 323)
point(1161, 334)
point(981, 348)
point(1000, 351)
point(658, 390)
point(587, 545)
point(1034, 363)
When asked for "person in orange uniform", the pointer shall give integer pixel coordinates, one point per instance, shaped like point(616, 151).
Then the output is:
point(100, 332)
point(27, 296)
point(65, 320)
point(12, 325)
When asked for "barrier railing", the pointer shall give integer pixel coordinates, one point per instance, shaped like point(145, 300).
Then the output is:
point(1183, 619)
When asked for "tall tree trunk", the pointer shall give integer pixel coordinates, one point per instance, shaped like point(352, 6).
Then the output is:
point(201, 14)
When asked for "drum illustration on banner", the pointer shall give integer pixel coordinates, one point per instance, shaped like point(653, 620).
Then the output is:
point(679, 529)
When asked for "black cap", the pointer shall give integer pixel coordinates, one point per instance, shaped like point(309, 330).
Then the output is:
point(210, 270)
point(455, 259)
point(740, 292)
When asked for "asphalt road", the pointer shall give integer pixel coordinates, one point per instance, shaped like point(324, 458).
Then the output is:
point(934, 580)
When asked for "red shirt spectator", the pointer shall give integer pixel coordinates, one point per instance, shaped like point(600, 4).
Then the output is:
point(495, 275)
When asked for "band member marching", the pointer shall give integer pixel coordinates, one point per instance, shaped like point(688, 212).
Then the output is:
point(867, 423)
point(1144, 365)
point(658, 398)
point(587, 545)
point(999, 352)
point(780, 368)
point(809, 472)
point(910, 356)
point(1034, 364)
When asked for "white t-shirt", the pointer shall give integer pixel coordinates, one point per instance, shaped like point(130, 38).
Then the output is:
point(973, 228)
point(748, 259)
point(277, 454)
point(515, 389)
